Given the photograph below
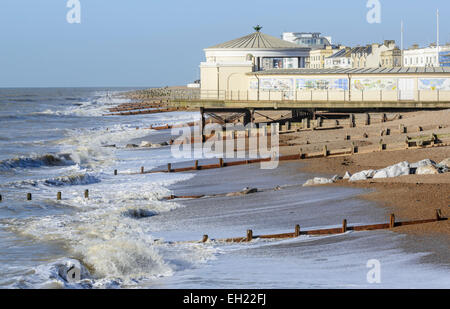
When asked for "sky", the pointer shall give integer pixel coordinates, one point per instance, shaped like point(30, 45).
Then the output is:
point(151, 43)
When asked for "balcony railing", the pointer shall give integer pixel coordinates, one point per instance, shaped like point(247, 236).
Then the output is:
point(312, 95)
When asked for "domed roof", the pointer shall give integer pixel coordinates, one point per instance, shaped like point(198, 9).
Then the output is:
point(256, 40)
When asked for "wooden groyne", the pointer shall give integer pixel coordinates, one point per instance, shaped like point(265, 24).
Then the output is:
point(419, 143)
point(391, 224)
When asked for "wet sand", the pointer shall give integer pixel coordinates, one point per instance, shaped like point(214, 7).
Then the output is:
point(409, 197)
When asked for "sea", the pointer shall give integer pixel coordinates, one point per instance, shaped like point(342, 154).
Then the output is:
point(126, 235)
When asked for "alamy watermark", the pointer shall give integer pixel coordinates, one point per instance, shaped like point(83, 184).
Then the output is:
point(235, 142)
point(74, 14)
point(374, 274)
point(374, 14)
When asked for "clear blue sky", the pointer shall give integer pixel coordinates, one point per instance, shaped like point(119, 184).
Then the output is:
point(158, 43)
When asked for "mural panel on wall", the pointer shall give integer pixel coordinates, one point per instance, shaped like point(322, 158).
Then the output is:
point(434, 83)
point(273, 84)
point(368, 84)
point(322, 84)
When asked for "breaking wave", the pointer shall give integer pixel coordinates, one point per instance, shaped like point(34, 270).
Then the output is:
point(72, 180)
point(36, 161)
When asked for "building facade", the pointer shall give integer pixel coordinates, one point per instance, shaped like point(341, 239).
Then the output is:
point(227, 63)
point(340, 60)
point(316, 59)
point(391, 58)
point(426, 57)
point(313, 40)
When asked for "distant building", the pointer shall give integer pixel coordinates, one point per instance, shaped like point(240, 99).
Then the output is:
point(316, 59)
point(444, 58)
point(251, 53)
point(368, 56)
point(391, 58)
point(312, 40)
point(426, 57)
point(340, 60)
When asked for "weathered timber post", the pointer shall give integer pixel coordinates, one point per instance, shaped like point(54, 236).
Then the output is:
point(58, 196)
point(196, 165)
point(115, 172)
point(221, 162)
point(205, 238)
point(344, 226)
point(86, 193)
point(202, 124)
point(29, 197)
point(325, 151)
point(301, 154)
point(142, 170)
point(392, 221)
point(0, 197)
point(169, 167)
point(438, 215)
point(249, 235)
point(352, 121)
point(297, 231)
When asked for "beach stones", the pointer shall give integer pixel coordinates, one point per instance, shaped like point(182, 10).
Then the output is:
point(145, 144)
point(347, 175)
point(363, 175)
point(427, 170)
point(318, 181)
point(245, 191)
point(396, 170)
point(445, 163)
point(423, 163)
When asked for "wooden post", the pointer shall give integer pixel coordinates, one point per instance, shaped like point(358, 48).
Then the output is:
point(196, 165)
point(202, 124)
point(344, 226)
point(115, 172)
point(169, 167)
point(0, 197)
point(438, 214)
point(347, 137)
point(58, 196)
point(392, 221)
point(325, 151)
point(221, 162)
point(142, 170)
point(297, 230)
point(86, 193)
point(249, 235)
point(205, 238)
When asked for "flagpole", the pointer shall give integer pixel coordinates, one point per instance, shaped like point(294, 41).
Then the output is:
point(437, 39)
point(401, 43)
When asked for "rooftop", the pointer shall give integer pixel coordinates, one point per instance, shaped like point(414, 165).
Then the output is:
point(405, 70)
point(256, 40)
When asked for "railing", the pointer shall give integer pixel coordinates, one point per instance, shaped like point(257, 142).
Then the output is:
point(312, 95)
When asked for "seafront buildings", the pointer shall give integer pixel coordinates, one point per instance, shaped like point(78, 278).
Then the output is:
point(313, 40)
point(262, 67)
point(227, 63)
point(427, 56)
point(316, 59)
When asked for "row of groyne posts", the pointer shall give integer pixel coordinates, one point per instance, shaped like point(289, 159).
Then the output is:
point(297, 230)
point(330, 231)
point(29, 196)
